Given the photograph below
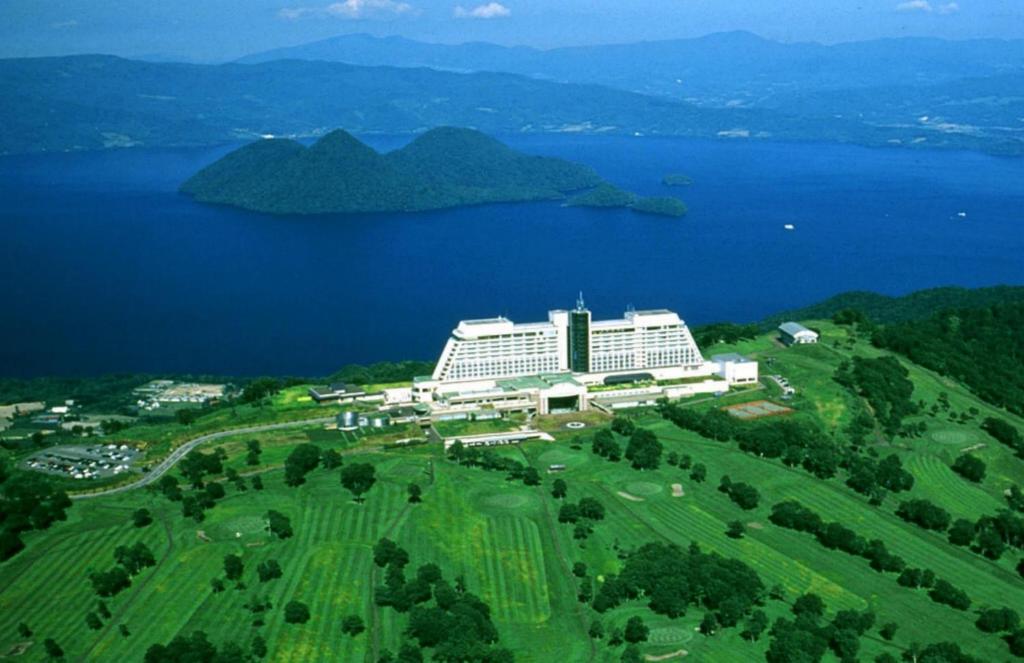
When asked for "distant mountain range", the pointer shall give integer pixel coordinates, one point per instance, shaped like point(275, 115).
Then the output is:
point(718, 69)
point(444, 167)
point(903, 92)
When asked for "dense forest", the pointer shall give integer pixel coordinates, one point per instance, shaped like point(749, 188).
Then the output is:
point(982, 348)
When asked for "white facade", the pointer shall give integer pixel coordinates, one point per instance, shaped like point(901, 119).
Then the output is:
point(496, 348)
point(736, 369)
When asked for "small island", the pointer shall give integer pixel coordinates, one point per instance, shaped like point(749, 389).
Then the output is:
point(676, 179)
point(442, 168)
point(609, 196)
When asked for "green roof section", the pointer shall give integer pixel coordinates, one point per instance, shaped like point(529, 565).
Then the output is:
point(545, 381)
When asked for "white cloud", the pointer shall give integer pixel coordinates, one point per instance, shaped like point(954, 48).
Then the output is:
point(914, 6)
point(489, 10)
point(926, 7)
point(350, 9)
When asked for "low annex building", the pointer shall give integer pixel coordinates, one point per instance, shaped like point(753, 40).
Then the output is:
point(572, 362)
point(793, 333)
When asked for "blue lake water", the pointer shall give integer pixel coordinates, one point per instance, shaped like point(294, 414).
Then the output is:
point(104, 267)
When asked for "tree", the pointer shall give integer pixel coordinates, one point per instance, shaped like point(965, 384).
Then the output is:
point(24, 631)
point(358, 478)
point(998, 620)
point(644, 450)
point(253, 456)
point(631, 654)
point(268, 570)
point(93, 621)
point(123, 630)
point(415, 493)
point(330, 459)
point(257, 483)
point(579, 569)
point(596, 631)
point(636, 630)
point(888, 630)
point(233, 567)
point(531, 477)
point(141, 518)
point(568, 513)
point(755, 625)
point(110, 583)
point(698, 473)
point(590, 508)
point(259, 647)
point(102, 609)
point(352, 625)
point(623, 426)
point(559, 489)
point(53, 650)
point(278, 523)
point(736, 530)
point(709, 624)
point(809, 604)
point(187, 416)
point(217, 585)
point(969, 467)
point(302, 460)
point(296, 612)
point(134, 558)
point(961, 533)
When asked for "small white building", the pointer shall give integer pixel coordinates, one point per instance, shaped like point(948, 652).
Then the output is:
point(793, 333)
point(735, 368)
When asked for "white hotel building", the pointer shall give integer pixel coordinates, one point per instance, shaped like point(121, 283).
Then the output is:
point(567, 362)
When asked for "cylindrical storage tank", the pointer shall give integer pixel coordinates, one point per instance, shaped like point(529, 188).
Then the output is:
point(348, 419)
point(380, 421)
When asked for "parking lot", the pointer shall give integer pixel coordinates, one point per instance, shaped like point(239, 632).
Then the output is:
point(84, 462)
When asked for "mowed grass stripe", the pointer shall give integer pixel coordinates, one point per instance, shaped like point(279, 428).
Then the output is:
point(986, 581)
point(935, 481)
point(774, 564)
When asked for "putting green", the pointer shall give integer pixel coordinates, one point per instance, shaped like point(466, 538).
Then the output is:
point(245, 525)
point(643, 488)
point(953, 437)
point(561, 457)
point(506, 500)
point(669, 635)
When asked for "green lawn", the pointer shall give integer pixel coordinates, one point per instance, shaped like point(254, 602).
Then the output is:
point(504, 538)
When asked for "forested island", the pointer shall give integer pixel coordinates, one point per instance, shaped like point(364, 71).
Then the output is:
point(444, 167)
point(610, 196)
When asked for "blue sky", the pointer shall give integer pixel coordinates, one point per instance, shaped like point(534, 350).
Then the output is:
point(211, 30)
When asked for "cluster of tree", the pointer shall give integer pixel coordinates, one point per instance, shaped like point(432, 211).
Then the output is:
point(131, 560)
point(302, 460)
point(743, 495)
point(196, 504)
point(875, 478)
point(196, 465)
point(488, 460)
point(885, 384)
point(723, 332)
point(1005, 621)
point(382, 372)
point(989, 535)
point(835, 536)
point(259, 388)
point(713, 424)
point(142, 518)
point(1004, 433)
point(605, 445)
point(980, 347)
point(268, 570)
point(807, 637)
point(682, 461)
point(28, 501)
point(969, 467)
point(448, 619)
point(851, 316)
point(197, 647)
point(643, 450)
point(671, 579)
point(924, 514)
point(582, 516)
point(258, 607)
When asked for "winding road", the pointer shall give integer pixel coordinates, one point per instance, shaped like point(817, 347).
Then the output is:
point(179, 453)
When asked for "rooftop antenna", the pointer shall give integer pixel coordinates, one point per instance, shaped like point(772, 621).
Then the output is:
point(579, 302)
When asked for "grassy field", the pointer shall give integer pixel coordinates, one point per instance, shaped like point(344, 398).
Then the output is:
point(504, 538)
